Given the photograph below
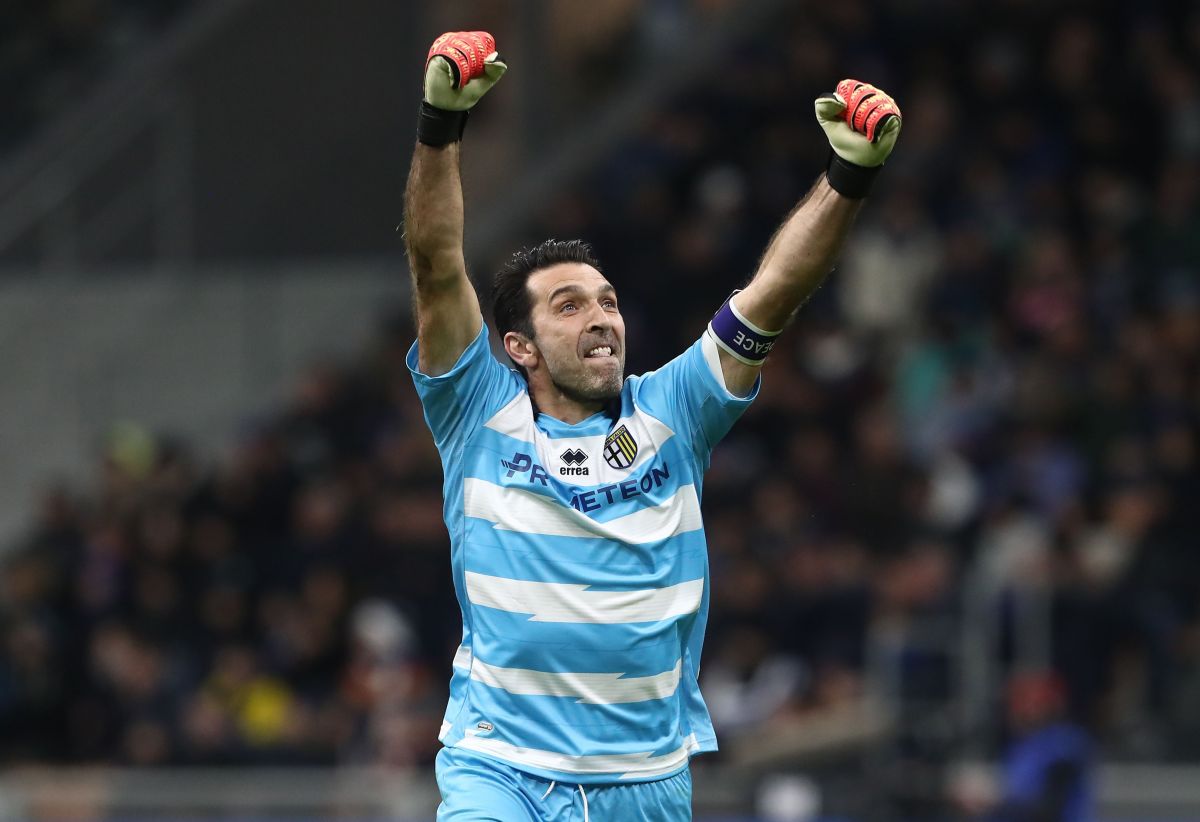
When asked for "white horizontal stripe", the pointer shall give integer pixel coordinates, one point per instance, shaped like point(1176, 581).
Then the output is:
point(588, 689)
point(515, 509)
point(629, 766)
point(516, 420)
point(563, 602)
point(648, 432)
point(462, 658)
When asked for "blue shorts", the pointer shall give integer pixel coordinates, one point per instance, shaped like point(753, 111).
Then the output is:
point(479, 789)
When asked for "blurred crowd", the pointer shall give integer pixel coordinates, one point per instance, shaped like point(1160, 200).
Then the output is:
point(53, 51)
point(988, 416)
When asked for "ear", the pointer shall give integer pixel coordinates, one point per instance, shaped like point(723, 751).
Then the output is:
point(522, 350)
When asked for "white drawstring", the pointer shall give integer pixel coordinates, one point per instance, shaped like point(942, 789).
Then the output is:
point(581, 793)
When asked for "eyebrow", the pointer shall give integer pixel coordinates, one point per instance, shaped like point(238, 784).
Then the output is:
point(575, 288)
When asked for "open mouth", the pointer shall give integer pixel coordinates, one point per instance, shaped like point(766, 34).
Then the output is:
point(599, 351)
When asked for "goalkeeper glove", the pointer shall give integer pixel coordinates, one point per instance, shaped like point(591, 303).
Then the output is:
point(862, 124)
point(460, 68)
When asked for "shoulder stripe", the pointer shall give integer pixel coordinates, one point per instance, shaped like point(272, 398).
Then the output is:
point(515, 509)
point(629, 766)
point(515, 419)
point(563, 602)
point(586, 688)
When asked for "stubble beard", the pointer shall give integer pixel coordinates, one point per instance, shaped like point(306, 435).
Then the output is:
point(593, 387)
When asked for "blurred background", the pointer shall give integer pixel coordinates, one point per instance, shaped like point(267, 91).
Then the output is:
point(955, 551)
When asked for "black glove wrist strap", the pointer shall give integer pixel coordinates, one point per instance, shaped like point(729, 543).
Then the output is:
point(849, 179)
point(437, 126)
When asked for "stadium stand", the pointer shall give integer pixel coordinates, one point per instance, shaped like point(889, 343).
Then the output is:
point(52, 53)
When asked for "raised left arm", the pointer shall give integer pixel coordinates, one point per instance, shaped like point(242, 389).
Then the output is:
point(862, 123)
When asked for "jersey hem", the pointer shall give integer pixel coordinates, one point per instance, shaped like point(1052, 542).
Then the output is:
point(573, 778)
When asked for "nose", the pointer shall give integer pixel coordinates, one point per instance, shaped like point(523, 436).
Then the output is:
point(598, 319)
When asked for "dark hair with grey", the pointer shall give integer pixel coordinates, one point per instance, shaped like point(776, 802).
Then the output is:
point(512, 309)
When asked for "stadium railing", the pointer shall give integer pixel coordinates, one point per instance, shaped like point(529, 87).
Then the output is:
point(1128, 793)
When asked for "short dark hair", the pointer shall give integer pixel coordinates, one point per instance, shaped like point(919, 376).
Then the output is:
point(512, 309)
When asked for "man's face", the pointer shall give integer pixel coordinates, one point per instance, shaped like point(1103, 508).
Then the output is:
point(578, 330)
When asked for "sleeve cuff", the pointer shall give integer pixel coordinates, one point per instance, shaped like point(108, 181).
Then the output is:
point(460, 365)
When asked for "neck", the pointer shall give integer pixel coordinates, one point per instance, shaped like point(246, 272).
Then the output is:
point(552, 401)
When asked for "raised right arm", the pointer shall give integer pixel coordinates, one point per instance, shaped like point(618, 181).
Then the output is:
point(447, 308)
point(460, 68)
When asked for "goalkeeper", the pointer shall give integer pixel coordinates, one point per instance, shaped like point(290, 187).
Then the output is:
point(572, 492)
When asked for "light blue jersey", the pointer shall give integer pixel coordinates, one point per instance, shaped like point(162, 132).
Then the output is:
point(580, 565)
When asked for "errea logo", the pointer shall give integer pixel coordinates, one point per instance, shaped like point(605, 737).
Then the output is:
point(574, 459)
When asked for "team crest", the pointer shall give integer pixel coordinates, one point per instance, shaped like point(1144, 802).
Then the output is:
point(620, 448)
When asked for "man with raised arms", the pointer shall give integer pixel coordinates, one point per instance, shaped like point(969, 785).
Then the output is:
point(572, 492)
